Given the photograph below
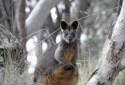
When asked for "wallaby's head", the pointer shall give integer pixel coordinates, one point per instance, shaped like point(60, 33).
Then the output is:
point(69, 31)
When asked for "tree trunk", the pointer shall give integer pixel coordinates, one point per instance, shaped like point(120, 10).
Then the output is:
point(20, 20)
point(37, 17)
point(66, 11)
point(50, 28)
point(38, 47)
point(109, 64)
point(7, 14)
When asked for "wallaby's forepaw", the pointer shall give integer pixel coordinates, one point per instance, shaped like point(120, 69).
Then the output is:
point(68, 67)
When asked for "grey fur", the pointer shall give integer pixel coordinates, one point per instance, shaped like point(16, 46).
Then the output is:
point(46, 63)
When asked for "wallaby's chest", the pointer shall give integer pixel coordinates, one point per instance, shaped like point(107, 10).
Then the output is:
point(68, 55)
point(61, 76)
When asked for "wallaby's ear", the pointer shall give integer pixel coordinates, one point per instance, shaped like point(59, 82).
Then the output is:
point(63, 25)
point(75, 25)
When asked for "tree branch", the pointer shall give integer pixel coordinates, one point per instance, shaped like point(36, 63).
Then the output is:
point(109, 64)
point(37, 17)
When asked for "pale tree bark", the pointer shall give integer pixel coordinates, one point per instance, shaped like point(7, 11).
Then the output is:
point(53, 26)
point(109, 64)
point(49, 28)
point(59, 17)
point(37, 17)
point(39, 44)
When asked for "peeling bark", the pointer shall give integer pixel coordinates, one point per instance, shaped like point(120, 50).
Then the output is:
point(109, 64)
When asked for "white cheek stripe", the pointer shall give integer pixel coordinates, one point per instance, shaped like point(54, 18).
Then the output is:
point(68, 40)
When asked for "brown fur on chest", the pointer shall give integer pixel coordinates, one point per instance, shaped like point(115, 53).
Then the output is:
point(68, 55)
point(61, 77)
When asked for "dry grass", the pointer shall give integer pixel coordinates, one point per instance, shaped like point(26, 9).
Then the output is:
point(12, 76)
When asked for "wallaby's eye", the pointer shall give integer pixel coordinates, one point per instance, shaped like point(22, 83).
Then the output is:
point(63, 25)
point(75, 25)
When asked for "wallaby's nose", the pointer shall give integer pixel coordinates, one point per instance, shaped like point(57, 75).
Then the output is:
point(70, 39)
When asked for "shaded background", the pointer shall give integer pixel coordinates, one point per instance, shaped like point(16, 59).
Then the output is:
point(36, 24)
